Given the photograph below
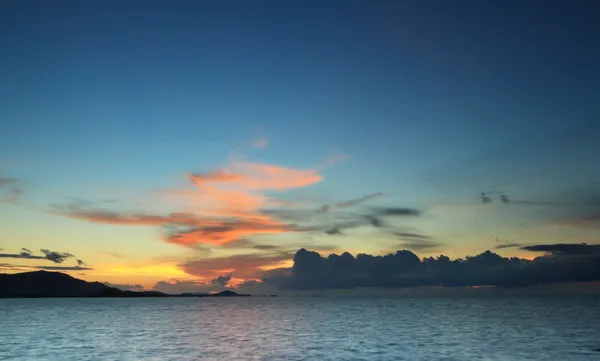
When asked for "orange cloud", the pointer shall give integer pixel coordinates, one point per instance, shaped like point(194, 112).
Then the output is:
point(220, 175)
point(225, 205)
point(226, 232)
point(133, 219)
point(274, 177)
point(247, 266)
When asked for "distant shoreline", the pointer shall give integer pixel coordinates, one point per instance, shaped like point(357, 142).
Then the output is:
point(44, 284)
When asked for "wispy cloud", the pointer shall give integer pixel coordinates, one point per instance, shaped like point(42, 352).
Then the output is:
point(5, 181)
point(418, 245)
point(9, 190)
point(226, 204)
point(349, 203)
point(508, 245)
point(64, 268)
point(25, 253)
point(260, 142)
point(245, 266)
point(565, 249)
point(114, 254)
point(333, 159)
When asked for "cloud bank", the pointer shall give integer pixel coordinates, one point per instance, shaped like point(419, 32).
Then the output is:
point(563, 264)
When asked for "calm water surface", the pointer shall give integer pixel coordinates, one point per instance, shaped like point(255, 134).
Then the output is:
point(527, 328)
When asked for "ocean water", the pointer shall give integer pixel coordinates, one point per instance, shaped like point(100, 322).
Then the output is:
point(328, 328)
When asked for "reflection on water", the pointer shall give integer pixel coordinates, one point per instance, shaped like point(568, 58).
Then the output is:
point(300, 329)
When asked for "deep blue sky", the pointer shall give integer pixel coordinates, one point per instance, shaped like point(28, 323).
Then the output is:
point(427, 96)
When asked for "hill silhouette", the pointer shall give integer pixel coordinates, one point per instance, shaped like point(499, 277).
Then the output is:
point(227, 293)
point(41, 284)
point(56, 284)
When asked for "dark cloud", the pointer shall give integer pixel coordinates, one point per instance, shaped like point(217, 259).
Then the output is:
point(334, 231)
point(63, 268)
point(565, 263)
point(372, 217)
point(291, 215)
point(266, 247)
point(20, 255)
point(508, 245)
point(419, 245)
point(12, 196)
point(4, 181)
point(80, 263)
point(410, 235)
point(565, 249)
point(538, 203)
point(244, 243)
point(397, 212)
point(125, 287)
point(26, 268)
point(416, 242)
point(374, 221)
point(352, 202)
point(221, 280)
point(578, 206)
point(56, 257)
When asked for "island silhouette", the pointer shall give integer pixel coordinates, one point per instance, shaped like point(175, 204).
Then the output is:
point(46, 284)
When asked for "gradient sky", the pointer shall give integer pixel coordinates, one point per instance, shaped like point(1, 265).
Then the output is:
point(221, 107)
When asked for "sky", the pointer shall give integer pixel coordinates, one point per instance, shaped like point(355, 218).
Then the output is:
point(202, 144)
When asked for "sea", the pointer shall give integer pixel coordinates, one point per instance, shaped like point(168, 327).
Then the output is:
point(304, 328)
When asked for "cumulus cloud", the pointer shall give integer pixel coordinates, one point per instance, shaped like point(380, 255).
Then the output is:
point(221, 280)
point(565, 263)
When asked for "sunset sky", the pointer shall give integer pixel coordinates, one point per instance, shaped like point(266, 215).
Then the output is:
point(185, 141)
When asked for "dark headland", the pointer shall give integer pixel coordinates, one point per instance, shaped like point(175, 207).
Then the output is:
point(44, 284)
